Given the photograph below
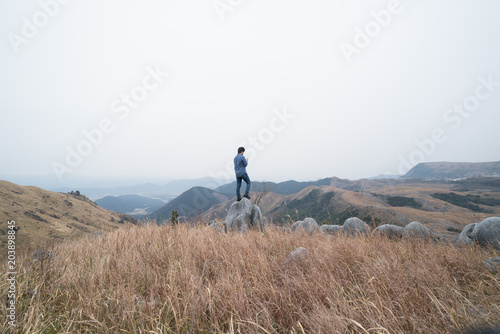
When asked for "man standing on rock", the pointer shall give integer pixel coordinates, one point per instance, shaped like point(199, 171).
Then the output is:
point(240, 164)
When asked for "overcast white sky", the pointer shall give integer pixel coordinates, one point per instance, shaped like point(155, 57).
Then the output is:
point(229, 77)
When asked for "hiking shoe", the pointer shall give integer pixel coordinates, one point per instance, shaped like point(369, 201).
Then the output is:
point(246, 196)
point(238, 199)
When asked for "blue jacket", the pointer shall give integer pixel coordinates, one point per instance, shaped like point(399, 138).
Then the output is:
point(239, 165)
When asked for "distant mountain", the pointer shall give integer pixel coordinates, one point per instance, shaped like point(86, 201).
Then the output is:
point(133, 205)
point(189, 204)
point(152, 190)
point(384, 176)
point(442, 205)
point(282, 188)
point(43, 216)
point(453, 170)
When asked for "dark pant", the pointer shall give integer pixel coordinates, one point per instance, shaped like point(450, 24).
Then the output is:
point(245, 178)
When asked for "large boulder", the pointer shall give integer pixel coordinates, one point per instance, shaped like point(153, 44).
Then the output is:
point(309, 225)
point(389, 231)
point(243, 215)
point(331, 229)
point(493, 265)
point(416, 230)
point(256, 218)
point(355, 226)
point(467, 236)
point(487, 232)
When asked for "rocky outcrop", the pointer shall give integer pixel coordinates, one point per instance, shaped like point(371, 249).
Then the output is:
point(467, 235)
point(416, 230)
point(389, 231)
point(355, 226)
point(332, 229)
point(244, 215)
point(487, 232)
point(309, 225)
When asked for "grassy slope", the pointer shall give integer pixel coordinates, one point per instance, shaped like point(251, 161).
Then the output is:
point(147, 278)
point(46, 216)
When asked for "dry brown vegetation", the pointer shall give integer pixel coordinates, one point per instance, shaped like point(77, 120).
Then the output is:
point(146, 279)
point(45, 217)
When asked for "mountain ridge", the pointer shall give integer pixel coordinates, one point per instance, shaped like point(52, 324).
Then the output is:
point(453, 170)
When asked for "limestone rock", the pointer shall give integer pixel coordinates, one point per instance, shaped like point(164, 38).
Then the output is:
point(309, 225)
point(243, 215)
point(390, 231)
point(354, 226)
point(467, 235)
point(332, 229)
point(416, 230)
point(487, 232)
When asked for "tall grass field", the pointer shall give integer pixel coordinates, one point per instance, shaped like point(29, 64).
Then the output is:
point(181, 279)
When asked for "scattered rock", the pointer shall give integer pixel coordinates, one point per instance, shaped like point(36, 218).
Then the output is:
point(467, 236)
point(332, 229)
point(309, 225)
point(493, 265)
point(354, 226)
point(487, 232)
point(42, 255)
point(219, 227)
point(256, 218)
point(390, 231)
point(451, 239)
point(298, 254)
point(416, 230)
point(242, 215)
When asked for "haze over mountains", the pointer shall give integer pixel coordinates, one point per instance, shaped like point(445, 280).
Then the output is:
point(132, 205)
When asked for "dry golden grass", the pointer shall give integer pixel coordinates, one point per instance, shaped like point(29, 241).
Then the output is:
point(45, 216)
point(145, 279)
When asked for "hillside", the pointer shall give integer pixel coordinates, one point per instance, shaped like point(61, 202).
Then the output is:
point(283, 188)
point(453, 170)
point(133, 205)
point(190, 203)
point(444, 206)
point(44, 216)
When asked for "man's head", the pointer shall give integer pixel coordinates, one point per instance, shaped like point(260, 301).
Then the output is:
point(241, 150)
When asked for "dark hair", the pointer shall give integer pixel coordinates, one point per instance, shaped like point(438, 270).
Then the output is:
point(241, 149)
